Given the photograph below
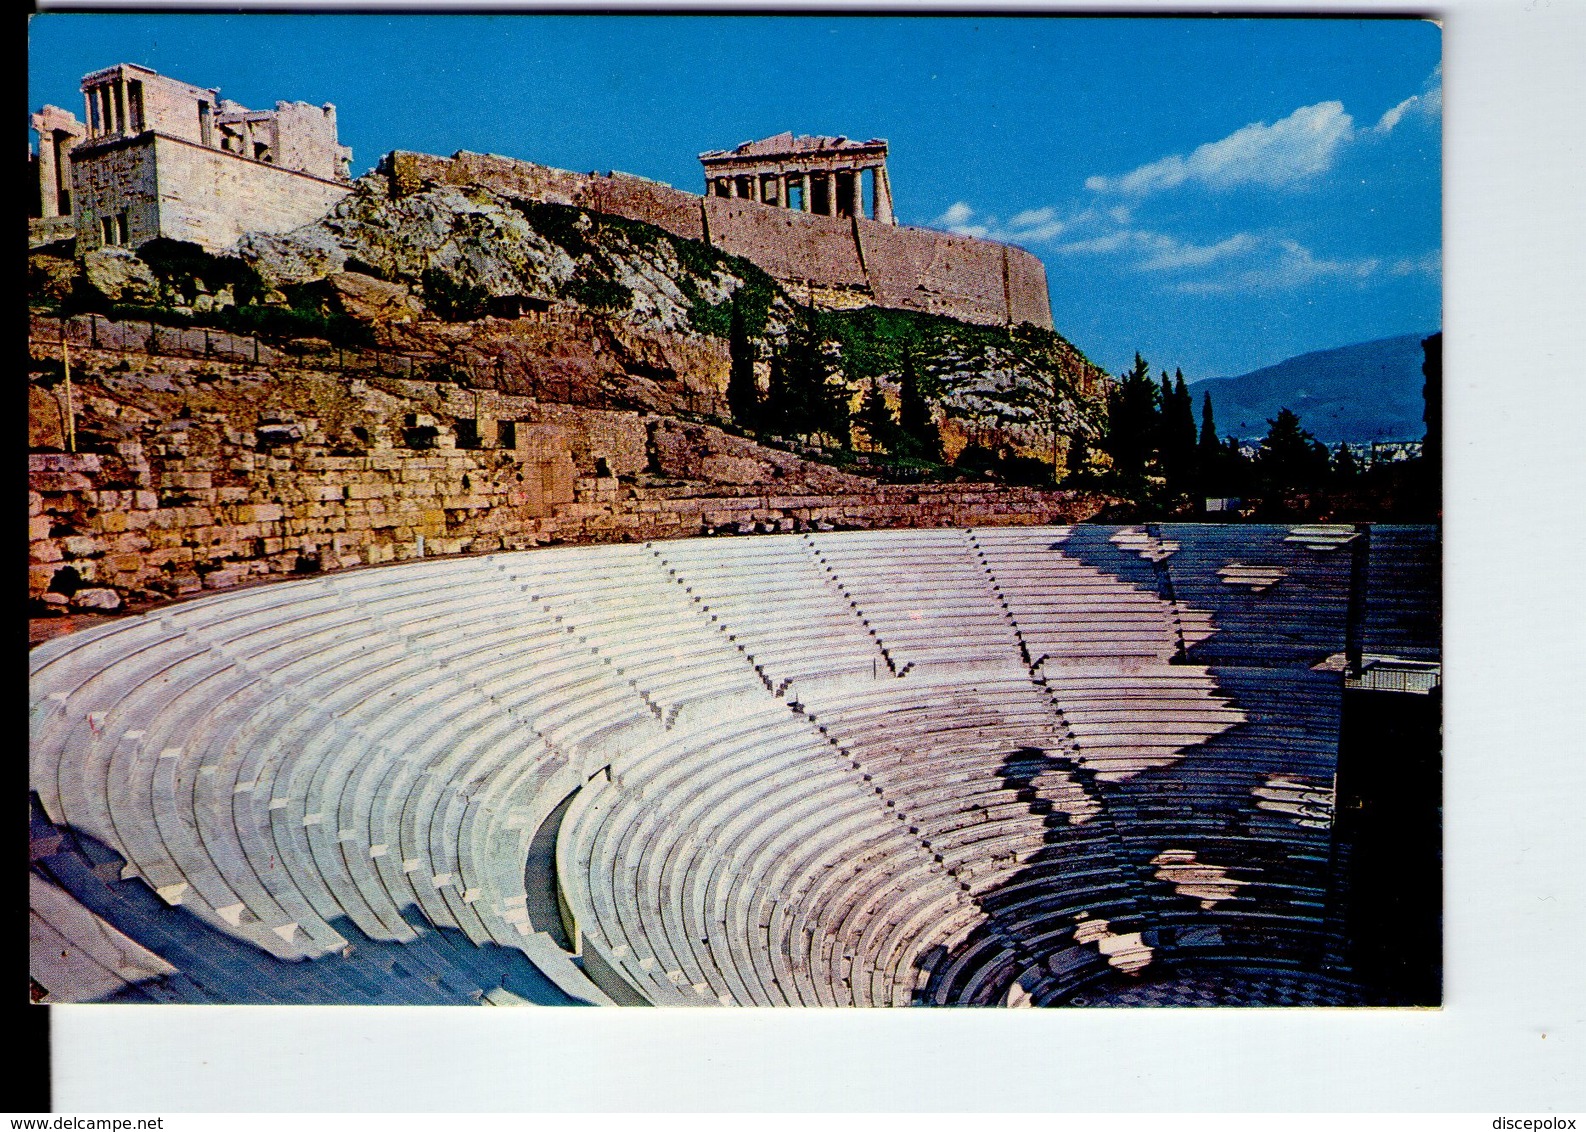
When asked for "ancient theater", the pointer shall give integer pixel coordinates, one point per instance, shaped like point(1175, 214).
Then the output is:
point(418, 619)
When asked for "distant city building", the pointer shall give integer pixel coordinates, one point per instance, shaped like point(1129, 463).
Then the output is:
point(1394, 451)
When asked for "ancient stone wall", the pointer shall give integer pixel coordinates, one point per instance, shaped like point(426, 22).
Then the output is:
point(185, 191)
point(795, 247)
point(832, 261)
point(120, 178)
point(305, 140)
point(170, 106)
point(653, 203)
point(207, 475)
point(618, 194)
point(920, 269)
point(212, 198)
point(1028, 298)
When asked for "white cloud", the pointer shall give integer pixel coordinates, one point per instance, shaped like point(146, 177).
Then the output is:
point(1032, 226)
point(1283, 153)
point(1429, 264)
point(1287, 152)
point(1036, 225)
point(1428, 105)
point(1178, 256)
point(1283, 265)
point(1245, 261)
point(1242, 262)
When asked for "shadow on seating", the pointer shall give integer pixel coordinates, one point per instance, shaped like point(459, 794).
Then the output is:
point(441, 967)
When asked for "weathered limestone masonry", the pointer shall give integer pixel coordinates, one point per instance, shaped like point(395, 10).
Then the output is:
point(159, 157)
point(207, 475)
point(152, 186)
point(833, 261)
point(58, 131)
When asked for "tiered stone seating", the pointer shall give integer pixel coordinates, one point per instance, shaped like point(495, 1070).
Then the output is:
point(927, 598)
point(1403, 576)
point(1068, 612)
point(772, 598)
point(878, 768)
point(272, 779)
point(679, 897)
point(1297, 617)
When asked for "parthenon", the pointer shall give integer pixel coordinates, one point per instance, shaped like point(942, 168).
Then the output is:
point(822, 175)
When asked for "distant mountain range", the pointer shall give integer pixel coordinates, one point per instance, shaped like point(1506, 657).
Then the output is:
point(1368, 391)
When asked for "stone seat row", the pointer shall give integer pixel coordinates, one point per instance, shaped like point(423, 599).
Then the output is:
point(815, 805)
point(284, 826)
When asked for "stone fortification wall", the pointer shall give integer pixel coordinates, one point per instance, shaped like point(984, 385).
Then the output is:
point(205, 476)
point(212, 198)
point(618, 194)
point(120, 178)
point(834, 261)
point(204, 195)
point(919, 269)
point(1028, 298)
point(794, 247)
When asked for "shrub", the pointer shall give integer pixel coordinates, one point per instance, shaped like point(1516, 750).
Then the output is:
point(453, 299)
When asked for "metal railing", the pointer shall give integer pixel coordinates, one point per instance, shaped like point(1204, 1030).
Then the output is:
point(1416, 677)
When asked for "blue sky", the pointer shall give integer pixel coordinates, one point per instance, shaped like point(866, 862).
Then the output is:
point(1218, 194)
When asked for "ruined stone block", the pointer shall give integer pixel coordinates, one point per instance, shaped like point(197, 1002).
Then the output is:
point(96, 598)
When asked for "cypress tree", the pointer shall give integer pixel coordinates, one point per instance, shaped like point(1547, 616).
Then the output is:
point(798, 399)
point(1178, 443)
point(914, 413)
point(876, 419)
point(1210, 461)
point(776, 415)
point(1208, 428)
point(1132, 424)
point(743, 397)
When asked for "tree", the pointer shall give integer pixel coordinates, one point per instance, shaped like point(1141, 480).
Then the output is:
point(743, 395)
point(800, 400)
point(1290, 458)
point(914, 414)
point(1208, 444)
point(779, 415)
point(1345, 466)
point(1178, 437)
point(876, 419)
point(1132, 425)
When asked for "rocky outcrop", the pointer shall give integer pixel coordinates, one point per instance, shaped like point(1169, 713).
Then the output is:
point(372, 300)
point(119, 276)
point(479, 244)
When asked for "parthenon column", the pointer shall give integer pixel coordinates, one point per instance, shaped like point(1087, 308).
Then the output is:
point(808, 194)
point(881, 197)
